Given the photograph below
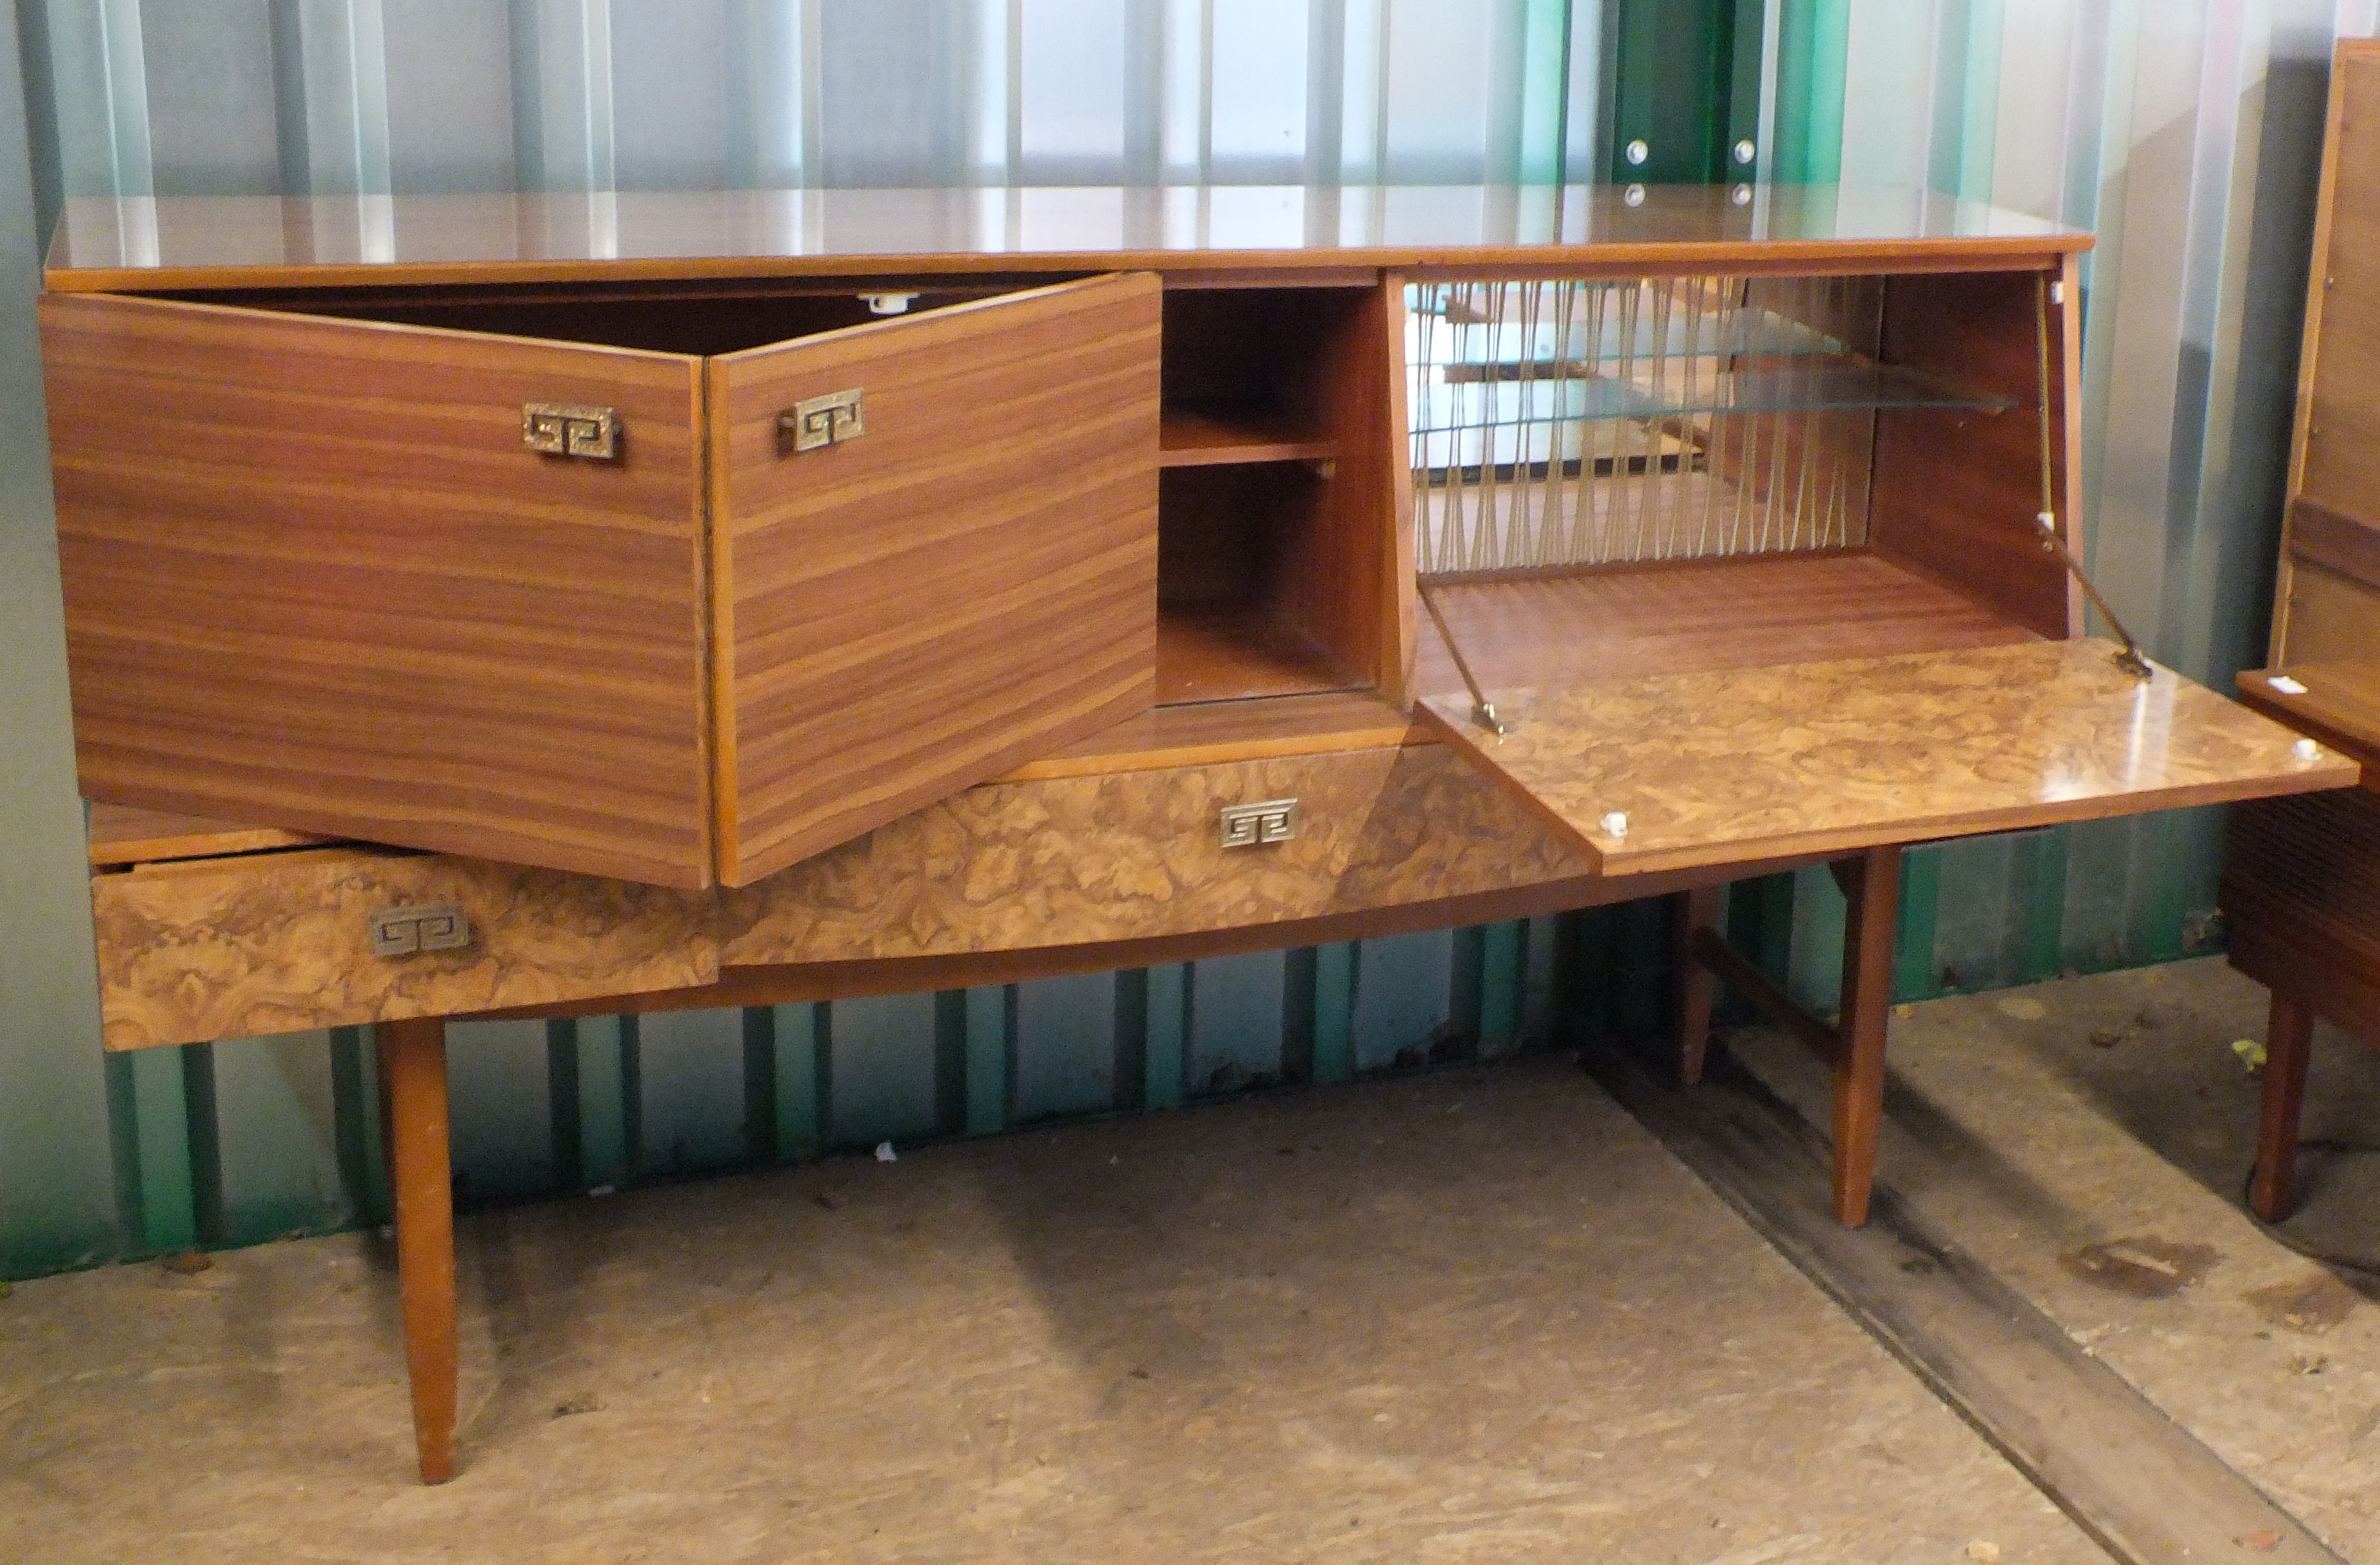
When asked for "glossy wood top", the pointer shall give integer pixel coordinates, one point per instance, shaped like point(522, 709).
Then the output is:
point(1718, 766)
point(154, 243)
point(2337, 703)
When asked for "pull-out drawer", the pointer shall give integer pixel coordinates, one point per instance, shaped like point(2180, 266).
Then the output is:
point(228, 946)
point(1142, 855)
point(674, 590)
point(231, 947)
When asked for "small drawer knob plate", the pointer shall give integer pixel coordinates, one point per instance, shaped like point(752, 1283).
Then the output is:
point(430, 926)
point(1254, 825)
point(558, 428)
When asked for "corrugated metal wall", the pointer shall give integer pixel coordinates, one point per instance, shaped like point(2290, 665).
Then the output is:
point(2187, 136)
point(2185, 133)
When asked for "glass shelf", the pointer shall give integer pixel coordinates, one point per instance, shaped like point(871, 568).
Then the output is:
point(1846, 384)
point(1512, 347)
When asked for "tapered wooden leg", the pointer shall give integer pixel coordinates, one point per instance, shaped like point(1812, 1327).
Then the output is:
point(413, 1086)
point(2289, 1046)
point(1872, 886)
point(1697, 985)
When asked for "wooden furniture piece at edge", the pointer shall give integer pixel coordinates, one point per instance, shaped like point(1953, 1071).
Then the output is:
point(2300, 891)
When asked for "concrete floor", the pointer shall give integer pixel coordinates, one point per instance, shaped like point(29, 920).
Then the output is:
point(2089, 1140)
point(1474, 1316)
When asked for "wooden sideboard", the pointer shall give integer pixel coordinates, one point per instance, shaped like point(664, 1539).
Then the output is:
point(2301, 877)
point(549, 605)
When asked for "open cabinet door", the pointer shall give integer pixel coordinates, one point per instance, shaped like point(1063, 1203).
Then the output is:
point(1731, 766)
point(319, 576)
point(959, 576)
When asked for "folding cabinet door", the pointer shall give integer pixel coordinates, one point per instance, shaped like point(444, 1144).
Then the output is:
point(366, 580)
point(934, 557)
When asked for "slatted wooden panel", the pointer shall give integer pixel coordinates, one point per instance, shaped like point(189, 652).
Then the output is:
point(314, 581)
point(969, 585)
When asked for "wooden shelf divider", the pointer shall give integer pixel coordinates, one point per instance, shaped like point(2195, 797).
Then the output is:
point(1197, 439)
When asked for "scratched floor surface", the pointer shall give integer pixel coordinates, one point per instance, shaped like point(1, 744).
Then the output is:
point(2089, 1140)
point(1477, 1316)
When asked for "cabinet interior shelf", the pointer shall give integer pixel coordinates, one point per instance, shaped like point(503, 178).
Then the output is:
point(1577, 626)
point(1234, 654)
point(1467, 396)
point(1197, 438)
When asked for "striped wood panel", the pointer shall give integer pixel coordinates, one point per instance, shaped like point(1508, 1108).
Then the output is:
point(314, 581)
point(969, 585)
point(2340, 431)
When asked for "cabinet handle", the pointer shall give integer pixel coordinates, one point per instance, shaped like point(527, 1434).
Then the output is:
point(821, 420)
point(1260, 824)
point(430, 926)
point(559, 429)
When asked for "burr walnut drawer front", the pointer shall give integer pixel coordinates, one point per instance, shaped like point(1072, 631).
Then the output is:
point(1141, 855)
point(232, 947)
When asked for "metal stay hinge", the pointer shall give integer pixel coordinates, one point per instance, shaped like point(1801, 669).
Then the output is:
point(1483, 710)
point(821, 420)
point(2129, 659)
point(430, 926)
point(559, 429)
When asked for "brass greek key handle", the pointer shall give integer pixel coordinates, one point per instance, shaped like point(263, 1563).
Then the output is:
point(558, 428)
point(821, 420)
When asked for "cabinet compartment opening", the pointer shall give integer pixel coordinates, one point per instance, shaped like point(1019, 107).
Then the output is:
point(1274, 450)
point(1235, 588)
point(699, 324)
point(1616, 478)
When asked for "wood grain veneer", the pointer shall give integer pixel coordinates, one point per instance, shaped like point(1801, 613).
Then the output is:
point(2339, 465)
point(2332, 442)
point(1240, 653)
point(1020, 866)
point(164, 243)
point(2300, 885)
point(2320, 536)
point(414, 1129)
point(275, 942)
point(204, 949)
point(969, 584)
point(1718, 766)
point(2339, 705)
point(1300, 547)
point(1189, 439)
point(314, 579)
point(1956, 491)
point(1207, 732)
point(123, 834)
point(1731, 612)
